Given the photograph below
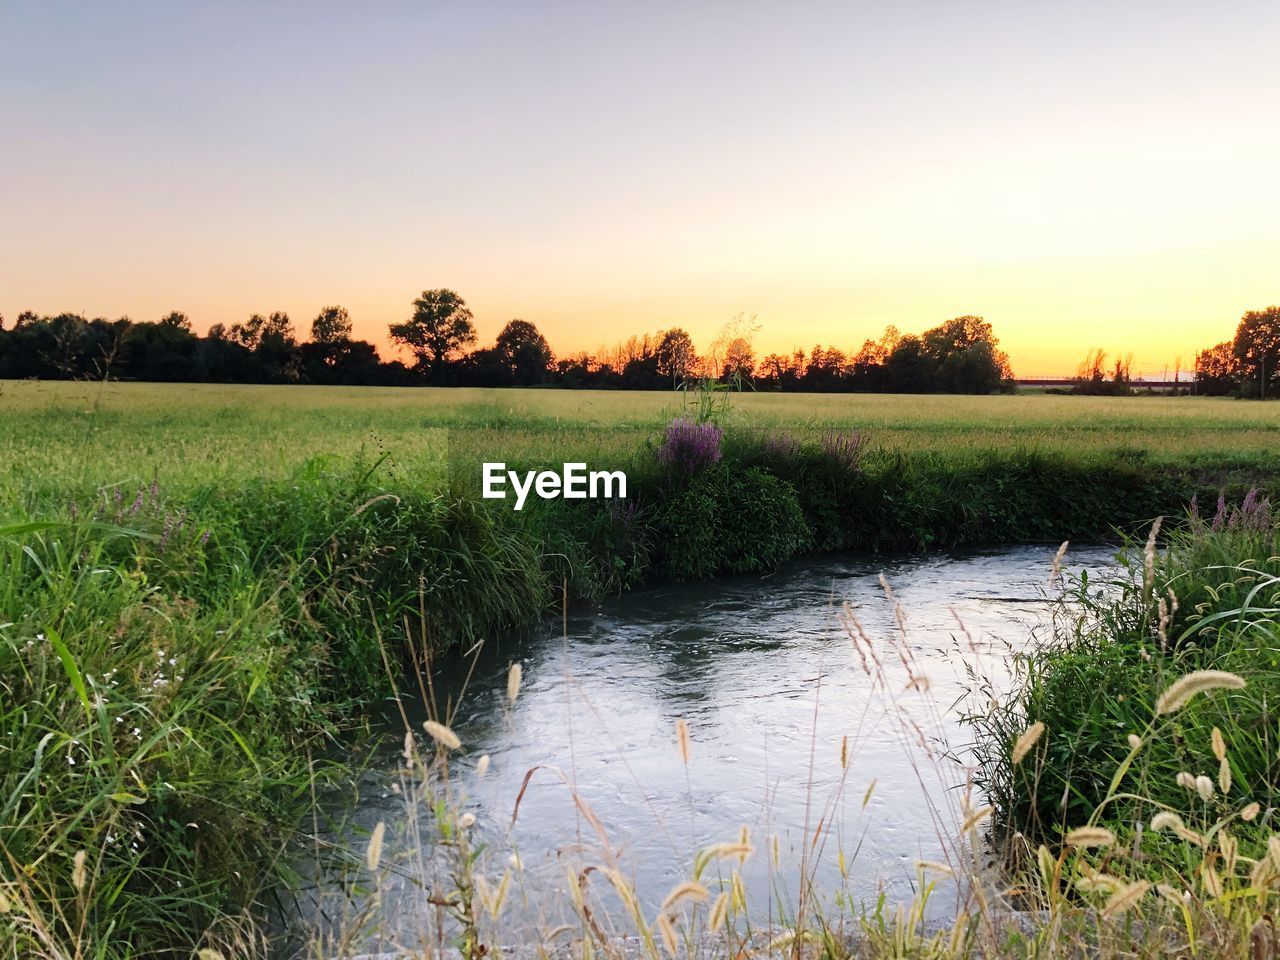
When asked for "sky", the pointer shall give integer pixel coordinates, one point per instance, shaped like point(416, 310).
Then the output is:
point(1082, 175)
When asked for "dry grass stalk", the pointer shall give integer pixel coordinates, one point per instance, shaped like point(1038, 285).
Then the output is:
point(1182, 690)
point(442, 734)
point(1029, 738)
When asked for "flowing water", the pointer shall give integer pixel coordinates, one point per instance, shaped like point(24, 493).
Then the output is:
point(767, 675)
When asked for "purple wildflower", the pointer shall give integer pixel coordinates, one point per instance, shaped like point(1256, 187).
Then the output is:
point(623, 511)
point(781, 446)
point(845, 447)
point(1253, 515)
point(689, 447)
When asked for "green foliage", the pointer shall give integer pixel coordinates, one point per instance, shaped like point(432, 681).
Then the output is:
point(726, 519)
point(592, 548)
point(164, 689)
point(164, 738)
point(356, 560)
point(1210, 603)
point(841, 504)
point(277, 620)
point(894, 501)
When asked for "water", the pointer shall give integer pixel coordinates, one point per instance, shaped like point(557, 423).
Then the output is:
point(765, 673)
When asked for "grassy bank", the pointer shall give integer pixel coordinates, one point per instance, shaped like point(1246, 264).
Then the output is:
point(192, 606)
point(1209, 601)
point(1150, 722)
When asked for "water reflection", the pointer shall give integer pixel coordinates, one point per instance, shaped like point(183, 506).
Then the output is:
point(769, 681)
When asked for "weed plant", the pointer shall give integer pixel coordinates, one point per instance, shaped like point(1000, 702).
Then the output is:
point(1209, 601)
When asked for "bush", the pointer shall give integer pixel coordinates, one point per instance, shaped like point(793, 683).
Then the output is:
point(839, 503)
point(726, 519)
point(689, 447)
point(1211, 601)
point(160, 741)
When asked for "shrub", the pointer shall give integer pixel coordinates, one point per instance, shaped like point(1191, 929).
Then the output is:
point(1211, 601)
point(689, 447)
point(740, 521)
point(839, 502)
point(844, 448)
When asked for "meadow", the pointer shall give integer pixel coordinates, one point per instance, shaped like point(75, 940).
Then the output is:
point(205, 589)
point(63, 434)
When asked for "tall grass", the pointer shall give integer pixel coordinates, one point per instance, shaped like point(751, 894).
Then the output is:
point(1209, 601)
point(1157, 865)
point(154, 748)
point(173, 679)
point(194, 612)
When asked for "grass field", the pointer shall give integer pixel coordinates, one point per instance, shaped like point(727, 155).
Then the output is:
point(203, 588)
point(65, 435)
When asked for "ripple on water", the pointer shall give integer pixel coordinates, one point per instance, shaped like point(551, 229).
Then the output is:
point(742, 660)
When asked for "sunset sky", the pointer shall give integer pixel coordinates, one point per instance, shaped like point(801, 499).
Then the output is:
point(1082, 175)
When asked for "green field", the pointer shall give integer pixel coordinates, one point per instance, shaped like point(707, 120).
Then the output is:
point(65, 435)
point(205, 589)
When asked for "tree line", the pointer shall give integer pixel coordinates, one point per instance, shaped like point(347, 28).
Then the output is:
point(961, 355)
point(1248, 365)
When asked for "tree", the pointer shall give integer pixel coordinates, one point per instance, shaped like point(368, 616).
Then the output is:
point(332, 325)
point(577, 371)
point(910, 368)
point(177, 320)
point(249, 333)
point(739, 361)
point(773, 369)
point(279, 328)
point(867, 368)
point(439, 327)
point(732, 355)
point(1091, 377)
point(161, 351)
point(1257, 349)
point(826, 368)
point(523, 353)
point(276, 331)
point(966, 355)
point(1217, 370)
point(676, 357)
point(1091, 372)
point(277, 350)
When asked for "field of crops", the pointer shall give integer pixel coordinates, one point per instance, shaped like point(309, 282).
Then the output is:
point(64, 436)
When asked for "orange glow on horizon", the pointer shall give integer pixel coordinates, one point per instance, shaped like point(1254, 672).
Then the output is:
point(1084, 176)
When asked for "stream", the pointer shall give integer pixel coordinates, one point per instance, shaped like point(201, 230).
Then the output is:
point(777, 679)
